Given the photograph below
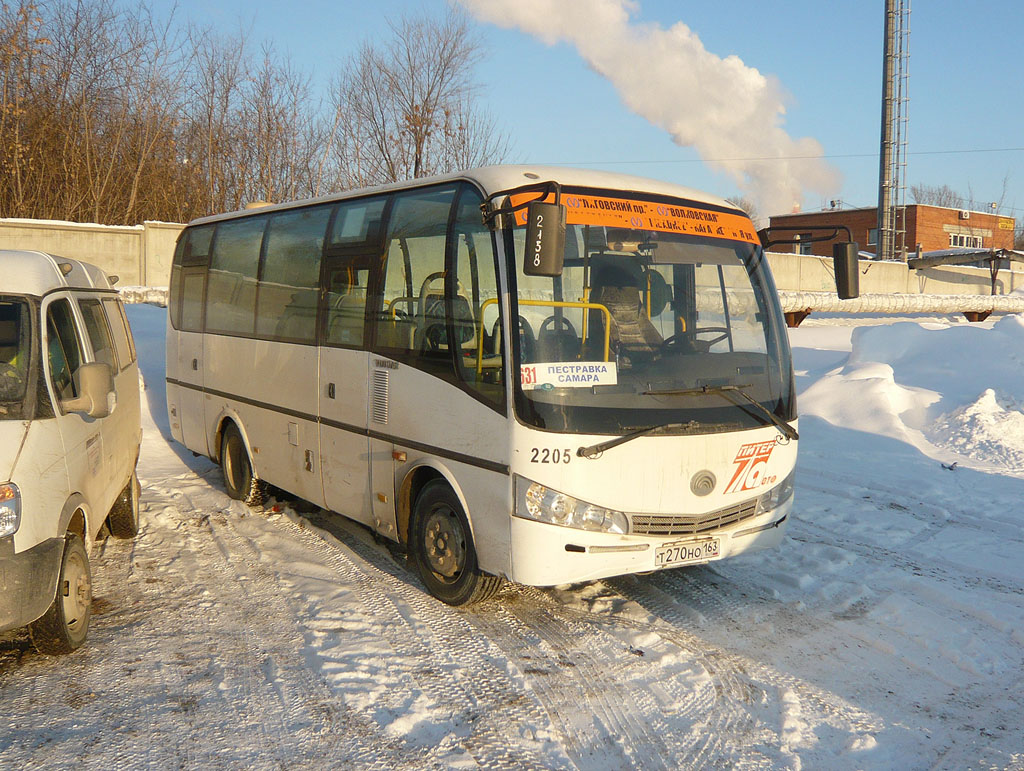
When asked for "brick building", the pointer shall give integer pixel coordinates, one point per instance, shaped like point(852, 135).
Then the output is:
point(933, 227)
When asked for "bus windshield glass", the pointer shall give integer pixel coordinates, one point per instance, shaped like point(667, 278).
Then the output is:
point(14, 357)
point(664, 314)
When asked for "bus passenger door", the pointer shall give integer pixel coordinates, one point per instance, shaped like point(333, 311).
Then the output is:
point(344, 450)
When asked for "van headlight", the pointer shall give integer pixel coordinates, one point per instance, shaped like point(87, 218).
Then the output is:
point(542, 504)
point(10, 509)
point(777, 496)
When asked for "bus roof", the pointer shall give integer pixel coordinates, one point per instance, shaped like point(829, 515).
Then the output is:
point(36, 273)
point(493, 179)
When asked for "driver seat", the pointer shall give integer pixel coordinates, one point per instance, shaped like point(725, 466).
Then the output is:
point(632, 333)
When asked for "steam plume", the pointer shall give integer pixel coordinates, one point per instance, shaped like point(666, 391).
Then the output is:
point(721, 107)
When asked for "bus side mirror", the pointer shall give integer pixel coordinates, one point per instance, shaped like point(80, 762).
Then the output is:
point(545, 239)
point(95, 397)
point(844, 259)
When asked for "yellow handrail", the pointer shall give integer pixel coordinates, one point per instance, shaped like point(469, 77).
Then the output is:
point(393, 303)
point(545, 304)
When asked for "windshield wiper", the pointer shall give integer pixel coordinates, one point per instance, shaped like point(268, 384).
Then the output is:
point(726, 391)
point(592, 451)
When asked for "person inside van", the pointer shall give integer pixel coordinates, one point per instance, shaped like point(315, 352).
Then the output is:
point(12, 363)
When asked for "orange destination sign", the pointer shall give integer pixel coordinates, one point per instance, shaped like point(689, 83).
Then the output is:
point(646, 215)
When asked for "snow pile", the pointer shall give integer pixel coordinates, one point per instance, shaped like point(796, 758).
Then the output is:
point(153, 295)
point(991, 429)
point(952, 391)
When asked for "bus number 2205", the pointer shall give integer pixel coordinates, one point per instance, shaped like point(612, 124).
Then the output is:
point(547, 455)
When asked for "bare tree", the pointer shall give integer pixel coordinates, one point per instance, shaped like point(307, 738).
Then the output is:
point(937, 195)
point(742, 202)
point(111, 113)
point(406, 109)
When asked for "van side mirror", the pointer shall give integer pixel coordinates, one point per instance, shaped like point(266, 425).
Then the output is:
point(544, 254)
point(95, 384)
point(844, 259)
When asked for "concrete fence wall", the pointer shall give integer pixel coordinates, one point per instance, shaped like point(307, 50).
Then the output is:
point(806, 273)
point(140, 255)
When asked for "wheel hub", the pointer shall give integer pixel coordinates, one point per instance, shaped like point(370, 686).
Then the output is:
point(77, 591)
point(445, 543)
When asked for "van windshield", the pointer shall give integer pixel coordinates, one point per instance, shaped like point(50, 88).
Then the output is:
point(15, 347)
point(660, 322)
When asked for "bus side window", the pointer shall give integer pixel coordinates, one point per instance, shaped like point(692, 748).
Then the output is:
point(63, 349)
point(188, 277)
point(352, 248)
point(476, 310)
point(231, 284)
point(290, 280)
point(411, 316)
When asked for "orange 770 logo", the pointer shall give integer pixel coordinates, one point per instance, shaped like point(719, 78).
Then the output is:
point(751, 463)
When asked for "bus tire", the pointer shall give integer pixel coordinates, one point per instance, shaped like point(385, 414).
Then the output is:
point(123, 519)
point(443, 551)
point(240, 482)
point(64, 626)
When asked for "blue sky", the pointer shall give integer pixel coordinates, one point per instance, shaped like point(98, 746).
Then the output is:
point(965, 85)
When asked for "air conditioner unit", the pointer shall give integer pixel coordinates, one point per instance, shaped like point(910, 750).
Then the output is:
point(964, 214)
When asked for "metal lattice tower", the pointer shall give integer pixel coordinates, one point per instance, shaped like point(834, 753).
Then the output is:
point(892, 167)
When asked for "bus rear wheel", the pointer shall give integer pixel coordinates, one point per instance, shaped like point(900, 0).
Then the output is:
point(442, 548)
point(240, 482)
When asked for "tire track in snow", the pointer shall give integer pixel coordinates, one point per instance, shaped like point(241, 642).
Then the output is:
point(466, 676)
point(285, 705)
point(608, 721)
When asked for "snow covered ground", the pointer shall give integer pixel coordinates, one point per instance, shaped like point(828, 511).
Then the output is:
point(887, 631)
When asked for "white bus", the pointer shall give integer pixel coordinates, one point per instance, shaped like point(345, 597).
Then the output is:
point(392, 355)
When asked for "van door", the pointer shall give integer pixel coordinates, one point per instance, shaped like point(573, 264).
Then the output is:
point(120, 428)
point(81, 435)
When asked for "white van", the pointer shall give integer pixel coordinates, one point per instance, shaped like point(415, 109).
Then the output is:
point(69, 440)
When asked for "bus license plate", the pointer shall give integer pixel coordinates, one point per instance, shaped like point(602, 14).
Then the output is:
point(687, 553)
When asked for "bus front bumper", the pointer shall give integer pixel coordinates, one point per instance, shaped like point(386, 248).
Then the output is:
point(549, 555)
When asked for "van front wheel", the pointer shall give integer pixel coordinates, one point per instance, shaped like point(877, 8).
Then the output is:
point(63, 627)
point(241, 483)
point(442, 548)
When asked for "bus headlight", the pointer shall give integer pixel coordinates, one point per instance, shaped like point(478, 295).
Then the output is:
point(777, 496)
point(10, 509)
point(534, 501)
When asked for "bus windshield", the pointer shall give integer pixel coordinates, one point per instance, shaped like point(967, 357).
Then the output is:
point(648, 322)
point(14, 357)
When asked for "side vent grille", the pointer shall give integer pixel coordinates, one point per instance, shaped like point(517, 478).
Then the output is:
point(379, 397)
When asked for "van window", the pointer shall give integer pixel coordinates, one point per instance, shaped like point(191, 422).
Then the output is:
point(122, 332)
point(99, 333)
point(14, 356)
point(63, 349)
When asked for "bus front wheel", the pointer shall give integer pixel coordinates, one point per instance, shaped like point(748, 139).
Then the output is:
point(442, 548)
point(241, 483)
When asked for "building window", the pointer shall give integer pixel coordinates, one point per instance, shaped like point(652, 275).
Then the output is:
point(802, 243)
point(872, 236)
point(964, 240)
